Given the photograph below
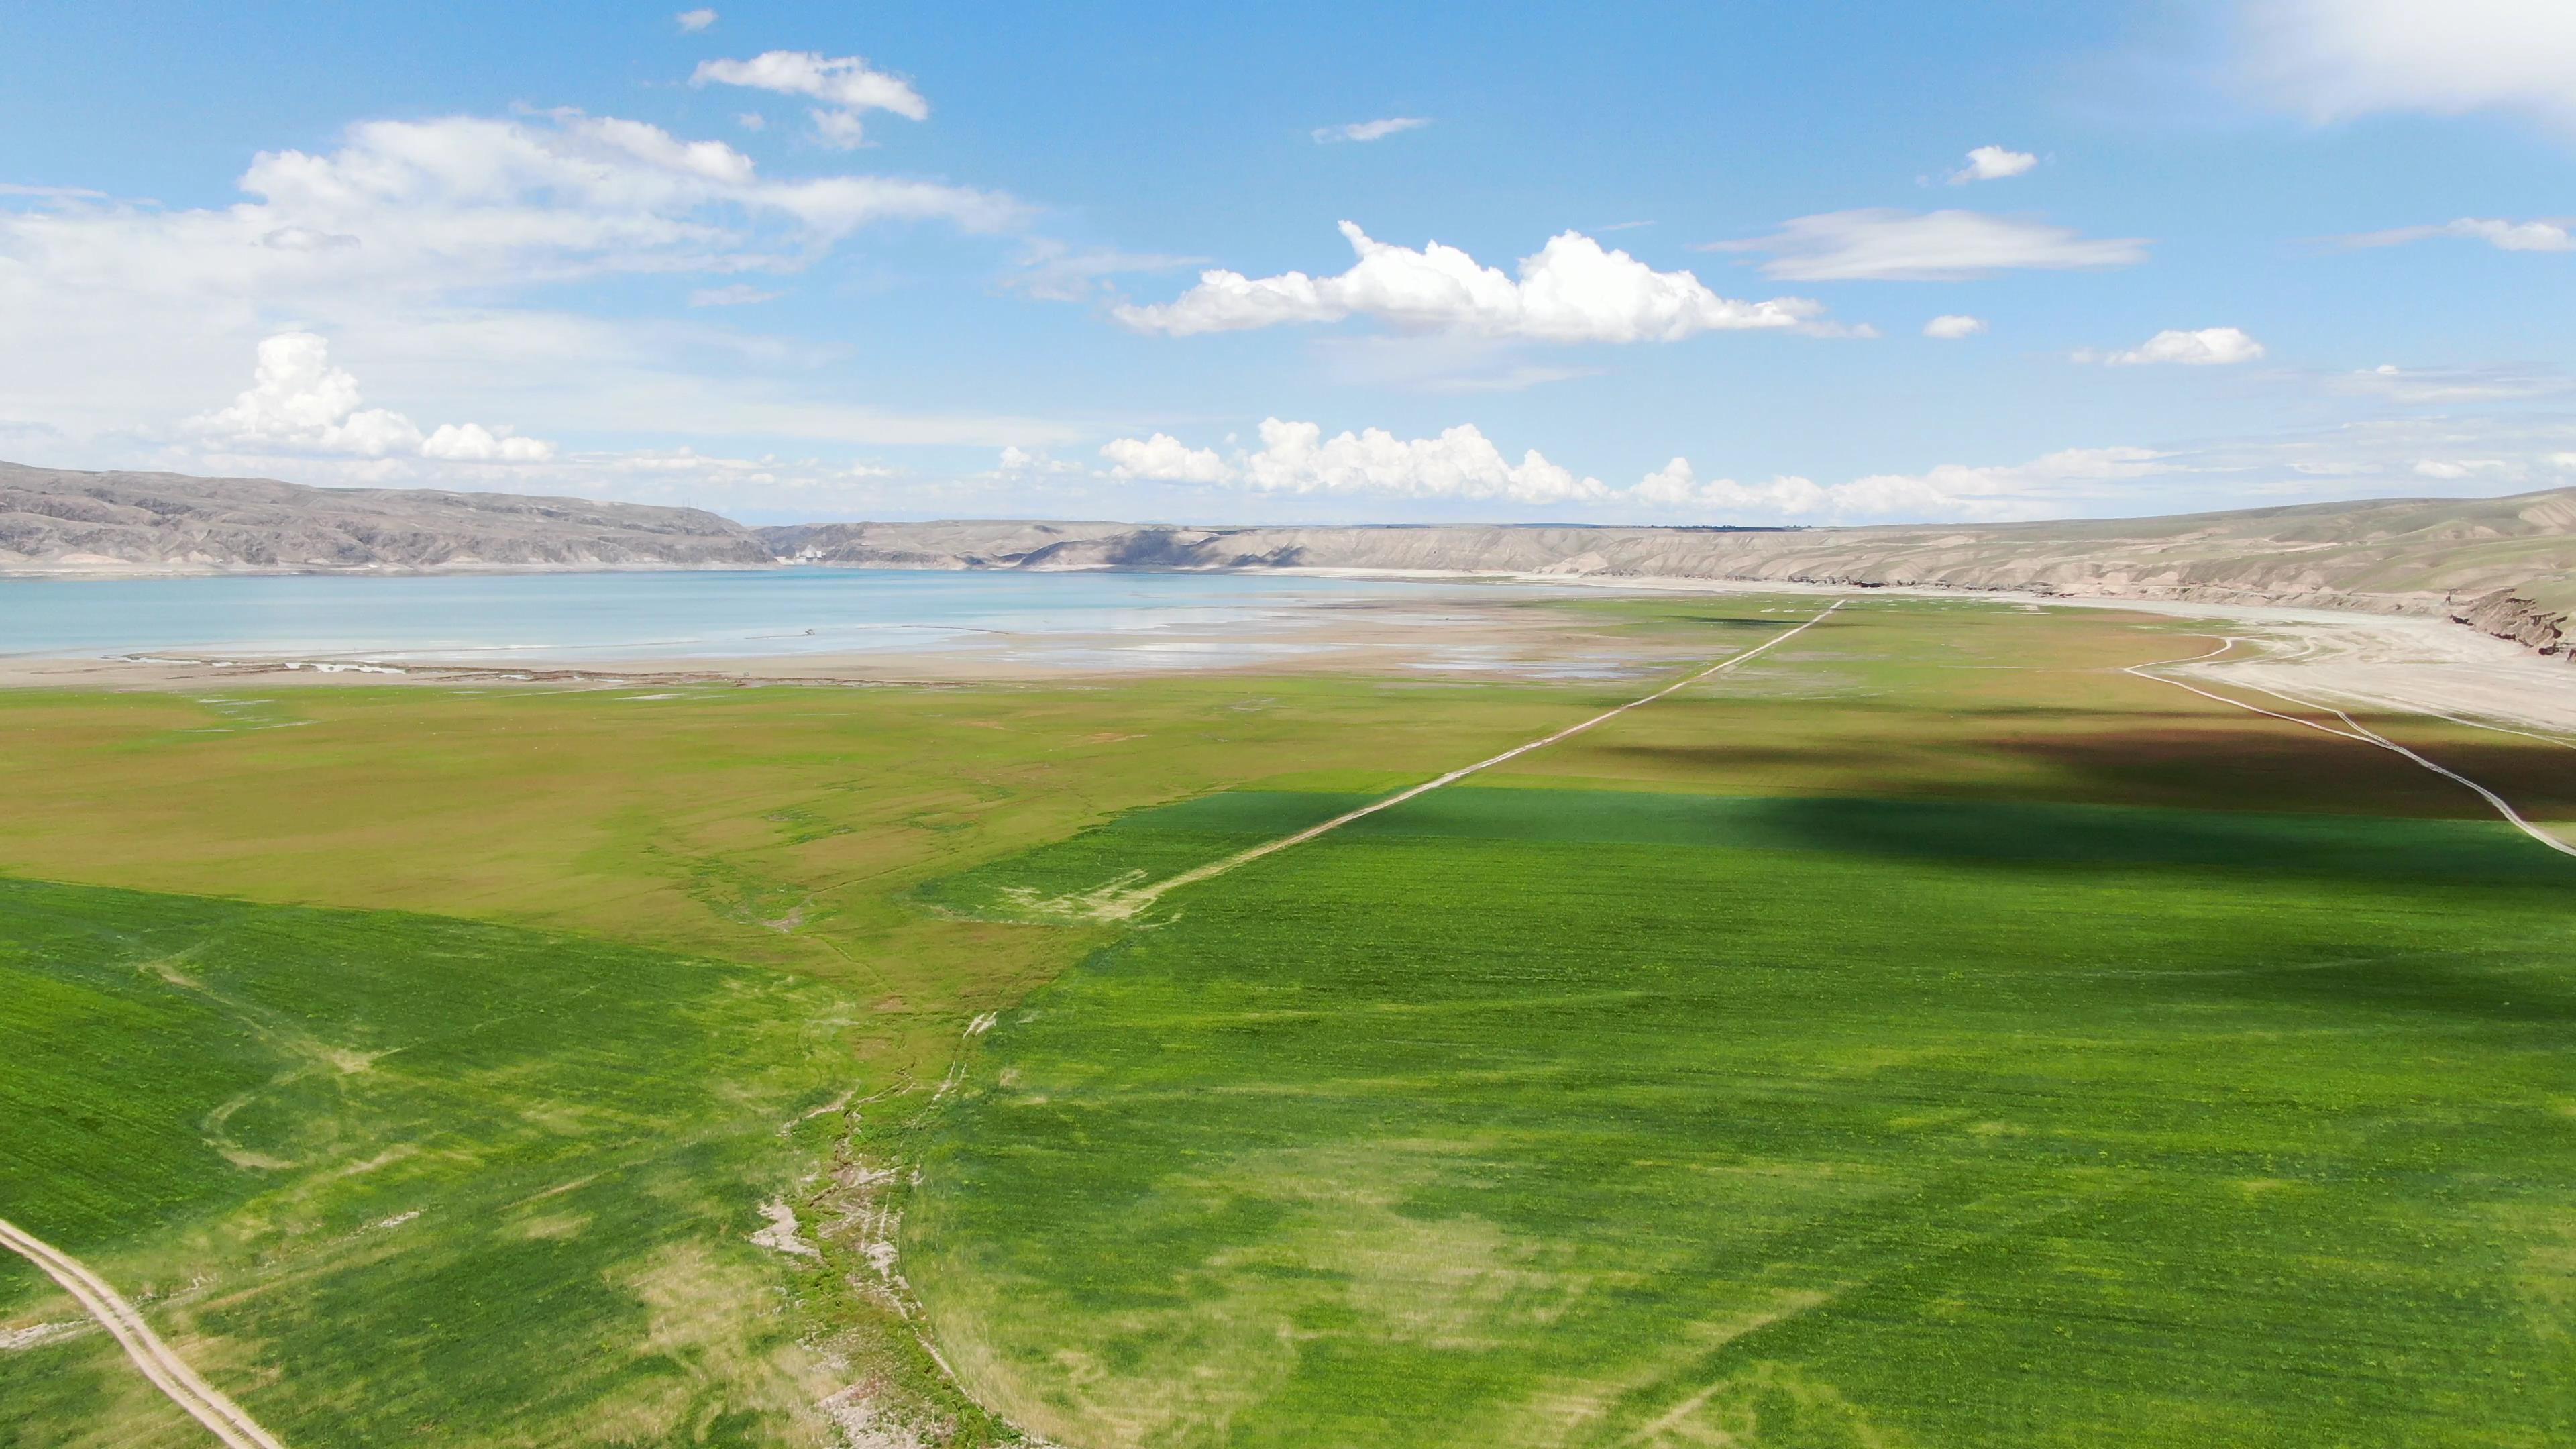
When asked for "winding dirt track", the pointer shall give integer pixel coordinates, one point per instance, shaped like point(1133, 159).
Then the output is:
point(168, 1372)
point(1123, 904)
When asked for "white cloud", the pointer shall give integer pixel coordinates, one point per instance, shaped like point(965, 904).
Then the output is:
point(2503, 470)
point(2453, 385)
point(1951, 326)
point(840, 130)
point(1052, 271)
point(2509, 236)
point(1571, 290)
point(1167, 459)
point(1885, 244)
point(846, 84)
point(1021, 463)
point(474, 443)
point(1369, 130)
point(2336, 59)
point(1992, 163)
point(464, 201)
point(694, 20)
point(752, 121)
point(739, 294)
point(409, 237)
point(299, 403)
point(2207, 347)
point(1296, 458)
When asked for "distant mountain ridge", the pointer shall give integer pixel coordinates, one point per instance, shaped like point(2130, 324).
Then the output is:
point(2504, 565)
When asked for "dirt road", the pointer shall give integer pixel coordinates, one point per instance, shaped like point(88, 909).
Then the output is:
point(1118, 905)
point(168, 1372)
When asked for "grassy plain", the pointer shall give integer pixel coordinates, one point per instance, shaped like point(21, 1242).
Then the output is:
point(385, 1173)
point(1633, 1045)
point(1934, 1039)
point(668, 923)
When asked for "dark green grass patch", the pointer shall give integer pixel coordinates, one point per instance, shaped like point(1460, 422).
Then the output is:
point(397, 1178)
point(1522, 1117)
point(1162, 842)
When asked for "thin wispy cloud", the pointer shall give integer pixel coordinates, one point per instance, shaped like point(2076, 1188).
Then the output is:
point(693, 21)
point(1052, 271)
point(2446, 385)
point(740, 294)
point(2545, 235)
point(1883, 244)
point(1369, 130)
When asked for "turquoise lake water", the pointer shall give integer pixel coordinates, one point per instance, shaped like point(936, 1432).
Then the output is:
point(570, 617)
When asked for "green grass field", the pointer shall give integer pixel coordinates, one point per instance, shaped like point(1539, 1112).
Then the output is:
point(417, 1058)
point(1559, 1116)
point(411, 1179)
point(1926, 1035)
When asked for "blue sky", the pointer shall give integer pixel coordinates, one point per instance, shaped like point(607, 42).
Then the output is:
point(804, 261)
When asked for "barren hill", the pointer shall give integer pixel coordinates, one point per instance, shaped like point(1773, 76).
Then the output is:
point(2508, 565)
point(56, 519)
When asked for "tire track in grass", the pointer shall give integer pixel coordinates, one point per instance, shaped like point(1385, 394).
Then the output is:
point(1118, 905)
point(168, 1372)
point(2358, 732)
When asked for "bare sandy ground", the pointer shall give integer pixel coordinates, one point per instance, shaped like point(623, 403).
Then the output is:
point(2383, 661)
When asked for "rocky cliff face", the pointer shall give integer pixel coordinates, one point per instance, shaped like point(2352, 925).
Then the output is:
point(57, 519)
point(2504, 565)
point(2507, 615)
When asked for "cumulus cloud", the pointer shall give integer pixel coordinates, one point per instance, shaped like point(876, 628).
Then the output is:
point(1992, 163)
point(1369, 130)
point(1165, 458)
point(1017, 462)
point(2509, 236)
point(846, 84)
point(1571, 290)
point(475, 443)
point(1296, 458)
point(2207, 347)
point(299, 403)
point(1888, 245)
point(2336, 59)
point(1462, 464)
point(1951, 326)
point(694, 20)
point(2044, 487)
